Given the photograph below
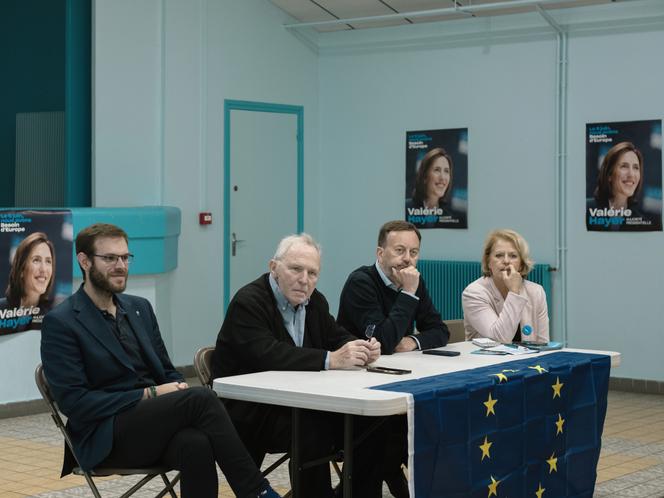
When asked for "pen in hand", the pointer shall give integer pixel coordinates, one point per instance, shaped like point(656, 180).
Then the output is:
point(369, 331)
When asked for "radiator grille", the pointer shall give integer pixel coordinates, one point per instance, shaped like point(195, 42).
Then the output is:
point(446, 280)
point(40, 159)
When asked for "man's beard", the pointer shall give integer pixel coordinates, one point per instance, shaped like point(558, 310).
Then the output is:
point(104, 284)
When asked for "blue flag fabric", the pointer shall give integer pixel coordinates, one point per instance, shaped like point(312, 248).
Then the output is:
point(527, 428)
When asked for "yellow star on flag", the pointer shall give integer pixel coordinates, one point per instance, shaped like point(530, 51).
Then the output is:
point(540, 491)
point(557, 387)
point(489, 403)
point(501, 377)
point(485, 448)
point(493, 487)
point(539, 368)
point(559, 424)
point(553, 463)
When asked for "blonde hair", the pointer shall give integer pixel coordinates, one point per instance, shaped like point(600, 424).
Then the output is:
point(515, 239)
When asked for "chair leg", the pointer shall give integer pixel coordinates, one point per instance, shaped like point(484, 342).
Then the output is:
point(276, 464)
point(337, 469)
point(169, 486)
point(138, 485)
point(92, 485)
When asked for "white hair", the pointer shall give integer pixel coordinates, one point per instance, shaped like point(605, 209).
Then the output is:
point(287, 242)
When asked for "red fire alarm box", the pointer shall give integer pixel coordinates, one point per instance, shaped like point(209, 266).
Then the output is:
point(205, 218)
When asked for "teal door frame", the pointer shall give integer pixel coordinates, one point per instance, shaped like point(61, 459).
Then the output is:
point(245, 105)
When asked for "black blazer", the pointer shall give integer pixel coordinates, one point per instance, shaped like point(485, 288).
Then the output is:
point(253, 338)
point(89, 373)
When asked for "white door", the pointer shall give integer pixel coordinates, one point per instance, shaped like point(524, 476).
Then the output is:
point(263, 190)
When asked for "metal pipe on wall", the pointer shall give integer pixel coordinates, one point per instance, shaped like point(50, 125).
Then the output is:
point(561, 166)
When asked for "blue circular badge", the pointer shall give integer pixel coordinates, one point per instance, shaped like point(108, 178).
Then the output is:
point(527, 330)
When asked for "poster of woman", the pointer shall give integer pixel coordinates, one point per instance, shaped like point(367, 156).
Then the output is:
point(624, 176)
point(437, 178)
point(35, 266)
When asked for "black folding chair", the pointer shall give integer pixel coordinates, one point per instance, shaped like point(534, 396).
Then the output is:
point(149, 473)
point(202, 361)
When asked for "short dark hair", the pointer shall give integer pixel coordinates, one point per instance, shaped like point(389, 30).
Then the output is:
point(86, 238)
point(16, 288)
point(396, 226)
point(603, 192)
point(421, 178)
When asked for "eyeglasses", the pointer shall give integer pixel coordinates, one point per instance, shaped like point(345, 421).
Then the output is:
point(112, 259)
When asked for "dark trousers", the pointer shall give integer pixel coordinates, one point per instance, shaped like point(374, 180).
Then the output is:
point(189, 431)
point(321, 434)
point(395, 454)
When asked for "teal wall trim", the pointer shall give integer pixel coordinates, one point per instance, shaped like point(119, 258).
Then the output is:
point(78, 85)
point(244, 105)
point(153, 234)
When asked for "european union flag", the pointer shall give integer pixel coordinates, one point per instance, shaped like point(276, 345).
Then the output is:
point(527, 428)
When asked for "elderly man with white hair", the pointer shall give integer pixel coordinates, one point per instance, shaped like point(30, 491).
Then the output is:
point(281, 322)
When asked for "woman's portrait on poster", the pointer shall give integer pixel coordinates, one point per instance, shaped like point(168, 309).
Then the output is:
point(31, 278)
point(616, 201)
point(432, 193)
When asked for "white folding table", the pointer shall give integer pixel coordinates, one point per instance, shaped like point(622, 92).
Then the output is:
point(346, 391)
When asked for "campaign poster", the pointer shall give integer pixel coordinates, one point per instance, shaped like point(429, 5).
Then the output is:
point(624, 176)
point(437, 178)
point(35, 266)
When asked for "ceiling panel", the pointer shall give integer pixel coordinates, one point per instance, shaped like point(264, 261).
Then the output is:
point(415, 5)
point(303, 10)
point(324, 10)
point(355, 8)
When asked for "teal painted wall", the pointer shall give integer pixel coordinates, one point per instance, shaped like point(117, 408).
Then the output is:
point(46, 49)
point(32, 44)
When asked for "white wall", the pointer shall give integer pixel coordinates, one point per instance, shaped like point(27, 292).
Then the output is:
point(127, 103)
point(616, 280)
point(160, 83)
point(502, 92)
point(500, 83)
point(162, 69)
point(176, 61)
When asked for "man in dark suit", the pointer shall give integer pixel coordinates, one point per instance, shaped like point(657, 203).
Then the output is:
point(390, 297)
point(281, 322)
point(126, 405)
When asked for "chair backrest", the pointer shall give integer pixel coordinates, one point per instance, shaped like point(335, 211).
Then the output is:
point(45, 390)
point(457, 332)
point(202, 362)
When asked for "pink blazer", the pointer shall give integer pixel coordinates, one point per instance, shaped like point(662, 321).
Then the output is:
point(487, 314)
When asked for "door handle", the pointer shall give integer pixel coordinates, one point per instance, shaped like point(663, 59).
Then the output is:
point(234, 243)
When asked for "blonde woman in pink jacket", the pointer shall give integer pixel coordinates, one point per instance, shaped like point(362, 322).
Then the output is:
point(502, 305)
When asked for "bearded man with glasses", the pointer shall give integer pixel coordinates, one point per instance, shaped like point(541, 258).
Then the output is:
point(127, 406)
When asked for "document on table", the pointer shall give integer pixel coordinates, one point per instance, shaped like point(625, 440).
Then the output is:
point(512, 349)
